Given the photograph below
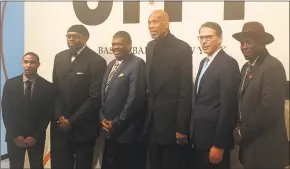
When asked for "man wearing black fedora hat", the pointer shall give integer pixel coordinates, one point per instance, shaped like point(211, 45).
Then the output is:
point(260, 130)
point(77, 76)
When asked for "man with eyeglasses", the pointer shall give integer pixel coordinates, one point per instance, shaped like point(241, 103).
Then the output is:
point(77, 76)
point(215, 102)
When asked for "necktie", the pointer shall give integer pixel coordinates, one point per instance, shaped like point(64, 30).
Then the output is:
point(73, 56)
point(242, 87)
point(28, 90)
point(113, 71)
point(205, 63)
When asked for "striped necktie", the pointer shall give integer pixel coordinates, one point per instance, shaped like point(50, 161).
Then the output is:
point(112, 73)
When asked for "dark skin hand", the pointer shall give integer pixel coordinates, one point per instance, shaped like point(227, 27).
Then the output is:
point(63, 123)
point(107, 125)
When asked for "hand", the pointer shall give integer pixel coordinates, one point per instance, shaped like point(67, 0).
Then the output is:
point(215, 155)
point(237, 136)
point(107, 125)
point(63, 123)
point(30, 141)
point(19, 141)
point(181, 139)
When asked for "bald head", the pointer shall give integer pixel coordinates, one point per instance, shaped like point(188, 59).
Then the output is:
point(160, 14)
point(158, 24)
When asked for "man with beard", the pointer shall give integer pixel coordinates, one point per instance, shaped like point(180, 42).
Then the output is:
point(27, 107)
point(77, 76)
point(169, 82)
point(124, 107)
point(261, 130)
point(215, 101)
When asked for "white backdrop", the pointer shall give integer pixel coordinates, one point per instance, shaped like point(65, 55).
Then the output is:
point(46, 24)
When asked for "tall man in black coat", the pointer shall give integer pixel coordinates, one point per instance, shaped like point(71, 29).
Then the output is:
point(124, 107)
point(27, 107)
point(261, 131)
point(169, 82)
point(215, 102)
point(77, 76)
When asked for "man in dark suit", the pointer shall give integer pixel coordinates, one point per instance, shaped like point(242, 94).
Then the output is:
point(124, 107)
point(169, 83)
point(77, 76)
point(261, 131)
point(27, 107)
point(215, 101)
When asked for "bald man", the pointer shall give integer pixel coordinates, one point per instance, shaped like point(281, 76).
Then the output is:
point(169, 81)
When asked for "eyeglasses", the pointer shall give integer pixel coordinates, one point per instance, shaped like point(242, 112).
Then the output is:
point(74, 36)
point(206, 38)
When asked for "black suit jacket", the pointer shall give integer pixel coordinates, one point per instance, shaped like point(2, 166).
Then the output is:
point(78, 85)
point(124, 102)
point(265, 143)
point(17, 121)
point(216, 104)
point(169, 102)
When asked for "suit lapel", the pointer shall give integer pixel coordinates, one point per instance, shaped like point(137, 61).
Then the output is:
point(253, 71)
point(20, 86)
point(106, 78)
point(36, 88)
point(80, 57)
point(214, 63)
point(196, 80)
point(70, 66)
point(121, 67)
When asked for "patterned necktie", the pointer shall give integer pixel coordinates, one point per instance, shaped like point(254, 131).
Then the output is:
point(202, 72)
point(112, 73)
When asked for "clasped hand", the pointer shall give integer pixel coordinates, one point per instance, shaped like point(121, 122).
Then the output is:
point(24, 143)
point(107, 125)
point(63, 123)
point(181, 139)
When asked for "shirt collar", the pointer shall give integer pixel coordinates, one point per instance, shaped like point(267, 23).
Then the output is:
point(210, 58)
point(26, 79)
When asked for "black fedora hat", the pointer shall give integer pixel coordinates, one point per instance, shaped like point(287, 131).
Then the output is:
point(254, 30)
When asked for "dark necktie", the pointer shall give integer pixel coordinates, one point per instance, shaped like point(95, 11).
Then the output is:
point(28, 90)
point(72, 56)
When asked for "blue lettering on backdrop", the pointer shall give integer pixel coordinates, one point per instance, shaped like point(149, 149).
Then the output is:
point(12, 43)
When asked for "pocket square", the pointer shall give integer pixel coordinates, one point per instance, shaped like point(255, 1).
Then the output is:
point(121, 74)
point(80, 73)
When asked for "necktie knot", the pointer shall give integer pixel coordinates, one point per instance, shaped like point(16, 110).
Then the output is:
point(28, 83)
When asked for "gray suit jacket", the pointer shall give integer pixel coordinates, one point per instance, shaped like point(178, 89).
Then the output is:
point(263, 128)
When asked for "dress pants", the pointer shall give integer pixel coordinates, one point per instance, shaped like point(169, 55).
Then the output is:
point(201, 160)
point(17, 155)
point(166, 156)
point(124, 156)
point(69, 154)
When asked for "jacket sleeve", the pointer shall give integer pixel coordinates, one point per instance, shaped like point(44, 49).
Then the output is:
point(136, 98)
point(48, 111)
point(97, 69)
point(58, 110)
point(272, 103)
point(229, 85)
point(185, 94)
